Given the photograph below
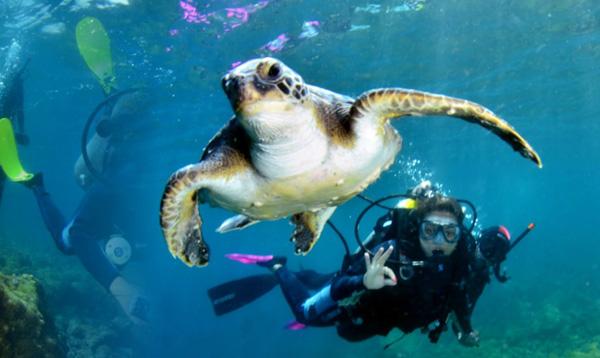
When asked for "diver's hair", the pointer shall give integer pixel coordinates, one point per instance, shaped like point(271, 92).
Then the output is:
point(439, 202)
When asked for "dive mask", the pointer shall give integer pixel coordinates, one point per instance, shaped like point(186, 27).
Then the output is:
point(430, 229)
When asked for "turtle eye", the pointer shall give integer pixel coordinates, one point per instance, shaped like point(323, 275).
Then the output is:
point(274, 72)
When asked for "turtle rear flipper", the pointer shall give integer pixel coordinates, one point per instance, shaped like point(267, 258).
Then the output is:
point(309, 225)
point(389, 103)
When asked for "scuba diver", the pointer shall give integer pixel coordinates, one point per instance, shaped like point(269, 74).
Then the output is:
point(430, 255)
point(96, 233)
point(428, 248)
point(103, 219)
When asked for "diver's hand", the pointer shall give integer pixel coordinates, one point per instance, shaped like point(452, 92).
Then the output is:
point(469, 340)
point(379, 275)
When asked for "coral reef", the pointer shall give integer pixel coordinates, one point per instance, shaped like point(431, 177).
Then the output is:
point(87, 320)
point(86, 337)
point(25, 329)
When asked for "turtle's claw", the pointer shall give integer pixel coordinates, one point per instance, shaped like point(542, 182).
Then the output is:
point(196, 252)
point(303, 238)
point(308, 228)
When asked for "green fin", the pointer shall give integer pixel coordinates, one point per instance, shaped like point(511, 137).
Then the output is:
point(236, 294)
point(9, 157)
point(94, 46)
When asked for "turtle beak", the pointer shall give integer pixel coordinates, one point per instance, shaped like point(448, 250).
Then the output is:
point(231, 87)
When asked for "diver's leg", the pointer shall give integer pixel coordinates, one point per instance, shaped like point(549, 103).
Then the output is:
point(53, 219)
point(314, 280)
point(293, 290)
point(92, 220)
point(91, 255)
point(310, 309)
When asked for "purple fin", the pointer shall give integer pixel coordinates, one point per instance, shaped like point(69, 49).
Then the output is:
point(249, 259)
point(294, 326)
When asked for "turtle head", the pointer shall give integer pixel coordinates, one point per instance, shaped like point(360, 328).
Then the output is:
point(264, 86)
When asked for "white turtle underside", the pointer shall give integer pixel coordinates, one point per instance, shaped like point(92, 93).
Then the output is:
point(304, 171)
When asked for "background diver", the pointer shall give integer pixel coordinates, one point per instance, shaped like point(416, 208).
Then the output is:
point(103, 219)
point(435, 269)
point(97, 230)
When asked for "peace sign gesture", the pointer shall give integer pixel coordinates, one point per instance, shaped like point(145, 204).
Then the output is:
point(379, 275)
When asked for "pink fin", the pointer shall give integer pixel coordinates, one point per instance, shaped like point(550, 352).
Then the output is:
point(294, 326)
point(249, 259)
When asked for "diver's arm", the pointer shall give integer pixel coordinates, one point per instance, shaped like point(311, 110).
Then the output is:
point(463, 308)
point(345, 286)
point(351, 280)
point(468, 295)
point(464, 320)
point(348, 282)
point(473, 296)
point(51, 215)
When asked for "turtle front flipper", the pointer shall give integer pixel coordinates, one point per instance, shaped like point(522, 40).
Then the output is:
point(384, 104)
point(309, 225)
point(179, 215)
point(180, 218)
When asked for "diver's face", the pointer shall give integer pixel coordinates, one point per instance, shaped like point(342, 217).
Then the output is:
point(439, 233)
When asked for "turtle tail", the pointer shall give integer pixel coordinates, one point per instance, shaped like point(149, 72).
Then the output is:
point(396, 102)
point(180, 218)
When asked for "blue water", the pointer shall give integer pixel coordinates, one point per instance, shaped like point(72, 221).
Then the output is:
point(534, 63)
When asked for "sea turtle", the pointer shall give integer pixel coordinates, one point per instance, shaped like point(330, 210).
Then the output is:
point(293, 149)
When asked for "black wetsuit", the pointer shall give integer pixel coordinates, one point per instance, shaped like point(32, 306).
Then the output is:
point(101, 212)
point(479, 277)
point(427, 296)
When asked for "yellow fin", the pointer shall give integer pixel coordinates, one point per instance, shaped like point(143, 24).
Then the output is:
point(9, 156)
point(94, 46)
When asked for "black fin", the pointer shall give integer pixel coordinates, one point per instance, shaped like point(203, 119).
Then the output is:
point(233, 295)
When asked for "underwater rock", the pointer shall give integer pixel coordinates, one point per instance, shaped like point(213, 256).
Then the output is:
point(88, 321)
point(589, 350)
point(87, 337)
point(551, 316)
point(25, 329)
